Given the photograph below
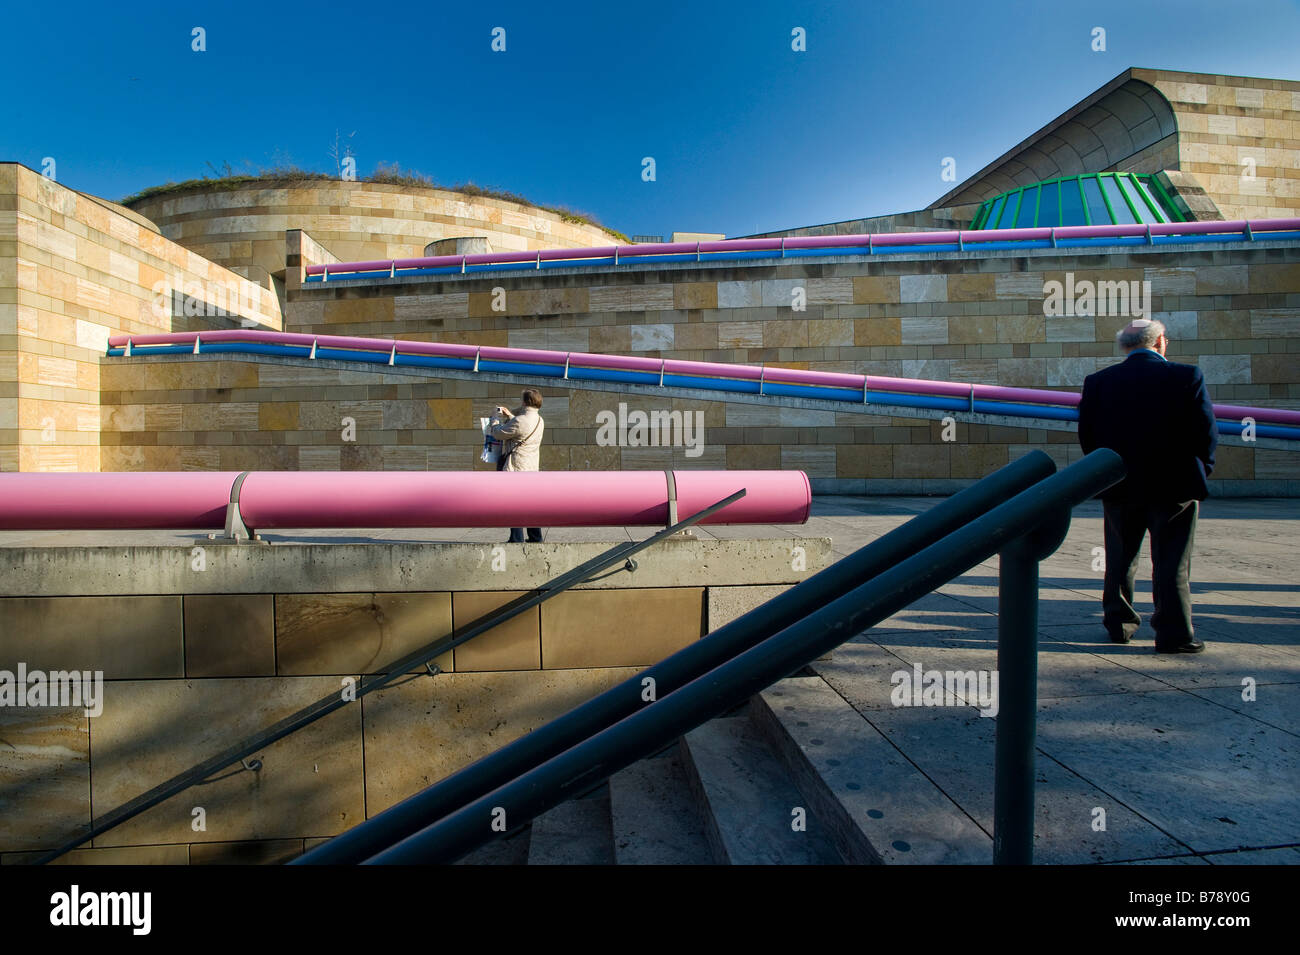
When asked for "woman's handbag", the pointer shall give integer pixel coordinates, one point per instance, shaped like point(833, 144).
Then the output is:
point(501, 466)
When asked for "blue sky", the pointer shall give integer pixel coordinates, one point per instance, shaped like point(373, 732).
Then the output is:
point(747, 135)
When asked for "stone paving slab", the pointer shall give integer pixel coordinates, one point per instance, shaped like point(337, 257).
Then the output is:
point(953, 747)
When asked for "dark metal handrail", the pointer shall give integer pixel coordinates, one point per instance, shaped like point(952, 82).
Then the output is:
point(679, 669)
point(418, 658)
point(660, 722)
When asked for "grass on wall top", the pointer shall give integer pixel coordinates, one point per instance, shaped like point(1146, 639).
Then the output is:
point(387, 174)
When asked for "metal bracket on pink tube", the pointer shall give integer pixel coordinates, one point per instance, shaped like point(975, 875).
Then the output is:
point(672, 498)
point(237, 532)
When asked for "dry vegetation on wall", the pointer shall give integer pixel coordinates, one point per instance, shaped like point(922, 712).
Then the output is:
point(387, 173)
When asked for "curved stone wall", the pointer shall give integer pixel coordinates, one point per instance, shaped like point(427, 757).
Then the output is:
point(243, 227)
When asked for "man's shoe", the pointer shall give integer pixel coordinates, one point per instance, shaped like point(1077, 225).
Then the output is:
point(1191, 646)
point(1124, 634)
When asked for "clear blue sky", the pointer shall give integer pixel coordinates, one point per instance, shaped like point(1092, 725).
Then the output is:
point(747, 134)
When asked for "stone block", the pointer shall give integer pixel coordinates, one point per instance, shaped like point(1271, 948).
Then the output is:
point(877, 332)
point(44, 775)
point(513, 645)
point(228, 635)
point(310, 782)
point(739, 295)
point(924, 331)
point(128, 638)
point(923, 288)
point(651, 337)
point(450, 414)
point(421, 731)
point(740, 334)
point(277, 416)
point(689, 295)
point(830, 333)
point(356, 633)
point(619, 628)
point(873, 289)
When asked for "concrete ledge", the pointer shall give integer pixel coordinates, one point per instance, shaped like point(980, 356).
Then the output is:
point(391, 568)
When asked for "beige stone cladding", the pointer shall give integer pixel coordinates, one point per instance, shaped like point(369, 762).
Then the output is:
point(976, 318)
point(1239, 136)
point(242, 227)
point(73, 271)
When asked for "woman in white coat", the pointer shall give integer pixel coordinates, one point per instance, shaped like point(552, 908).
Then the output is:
point(521, 450)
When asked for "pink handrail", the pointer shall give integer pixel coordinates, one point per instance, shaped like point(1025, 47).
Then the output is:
point(670, 366)
point(882, 240)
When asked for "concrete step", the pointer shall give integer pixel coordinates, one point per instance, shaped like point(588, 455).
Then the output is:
point(754, 814)
point(576, 832)
point(511, 849)
point(654, 815)
point(878, 806)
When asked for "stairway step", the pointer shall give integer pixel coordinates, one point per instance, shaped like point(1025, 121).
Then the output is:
point(751, 805)
point(576, 832)
point(654, 815)
point(511, 849)
point(880, 808)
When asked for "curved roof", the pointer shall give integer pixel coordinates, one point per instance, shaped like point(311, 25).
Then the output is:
point(1122, 119)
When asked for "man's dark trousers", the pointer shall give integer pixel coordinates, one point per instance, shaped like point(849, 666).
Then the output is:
point(1172, 528)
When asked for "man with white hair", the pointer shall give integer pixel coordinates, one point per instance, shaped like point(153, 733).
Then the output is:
point(1157, 415)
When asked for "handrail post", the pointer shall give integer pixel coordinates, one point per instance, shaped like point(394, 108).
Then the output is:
point(1017, 691)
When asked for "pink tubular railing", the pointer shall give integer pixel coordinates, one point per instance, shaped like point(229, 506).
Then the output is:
point(656, 366)
point(872, 240)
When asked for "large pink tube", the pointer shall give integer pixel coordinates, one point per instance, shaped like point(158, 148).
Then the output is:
point(196, 500)
point(115, 500)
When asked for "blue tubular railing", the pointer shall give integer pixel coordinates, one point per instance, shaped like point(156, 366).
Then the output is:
point(731, 250)
point(568, 369)
point(1025, 529)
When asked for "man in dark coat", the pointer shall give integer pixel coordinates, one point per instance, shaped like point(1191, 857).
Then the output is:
point(1157, 416)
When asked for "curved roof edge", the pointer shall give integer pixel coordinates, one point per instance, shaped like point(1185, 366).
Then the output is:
point(1125, 117)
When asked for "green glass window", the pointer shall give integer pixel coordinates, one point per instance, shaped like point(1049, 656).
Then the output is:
point(1008, 218)
point(994, 210)
point(1049, 205)
point(1028, 208)
point(1071, 203)
point(1153, 203)
point(1098, 214)
point(1119, 209)
point(1095, 199)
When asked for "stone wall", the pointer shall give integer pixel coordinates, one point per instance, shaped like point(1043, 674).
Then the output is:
point(243, 227)
point(197, 656)
point(970, 317)
point(1223, 121)
point(73, 272)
